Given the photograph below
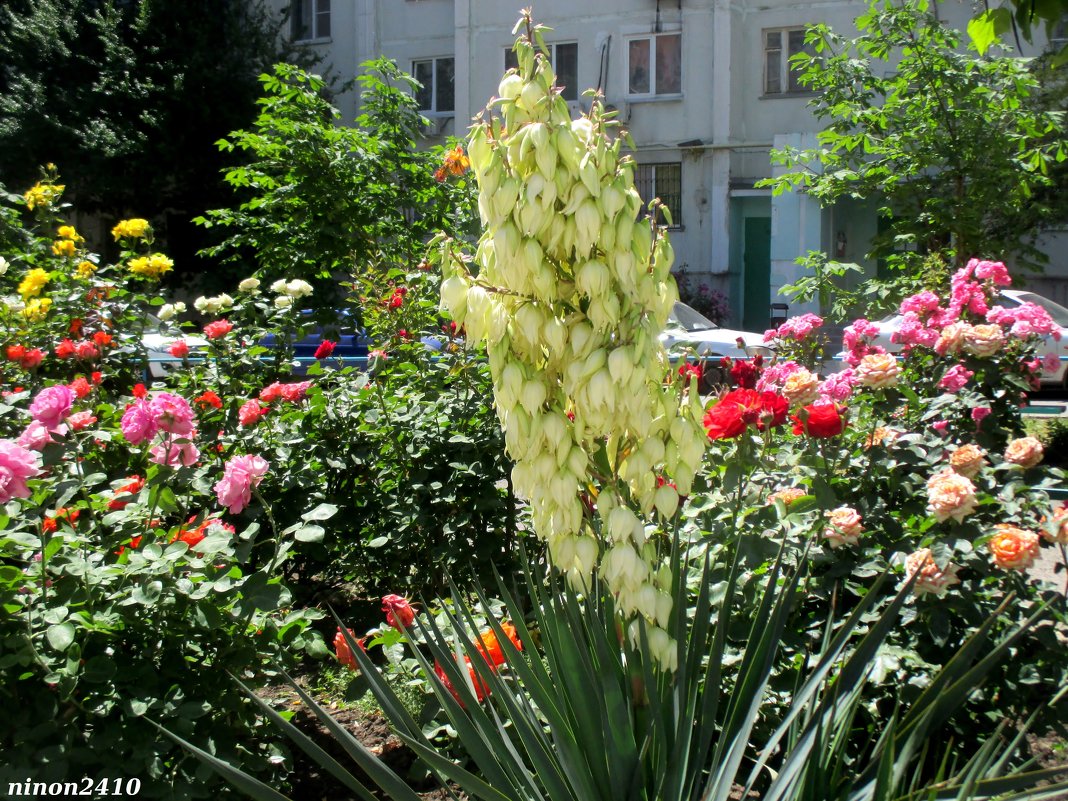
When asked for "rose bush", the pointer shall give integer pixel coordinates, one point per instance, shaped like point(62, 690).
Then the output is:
point(128, 589)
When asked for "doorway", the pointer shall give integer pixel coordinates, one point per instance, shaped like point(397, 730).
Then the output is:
point(756, 276)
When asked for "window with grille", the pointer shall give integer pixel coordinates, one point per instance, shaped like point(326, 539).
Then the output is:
point(310, 19)
point(781, 45)
point(437, 76)
point(654, 65)
point(564, 58)
point(663, 181)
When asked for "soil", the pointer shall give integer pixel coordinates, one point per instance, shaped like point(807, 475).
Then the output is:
point(310, 782)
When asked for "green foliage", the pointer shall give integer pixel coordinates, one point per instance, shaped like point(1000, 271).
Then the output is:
point(949, 144)
point(125, 595)
point(129, 99)
point(320, 200)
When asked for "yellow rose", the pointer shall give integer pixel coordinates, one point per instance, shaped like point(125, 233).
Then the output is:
point(134, 228)
point(37, 309)
point(64, 247)
point(86, 269)
point(68, 232)
point(33, 283)
point(152, 267)
point(42, 194)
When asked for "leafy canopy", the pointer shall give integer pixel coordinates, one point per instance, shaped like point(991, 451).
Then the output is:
point(950, 144)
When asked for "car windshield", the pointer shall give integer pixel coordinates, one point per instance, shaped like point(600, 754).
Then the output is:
point(1056, 310)
point(690, 319)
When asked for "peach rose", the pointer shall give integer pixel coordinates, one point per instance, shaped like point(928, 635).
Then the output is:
point(950, 495)
point(1058, 532)
point(932, 578)
point(880, 436)
point(1025, 452)
point(967, 460)
point(984, 340)
point(787, 496)
point(1013, 548)
point(878, 370)
point(951, 339)
point(801, 387)
point(845, 527)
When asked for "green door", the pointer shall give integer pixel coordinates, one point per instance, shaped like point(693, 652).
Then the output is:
point(756, 263)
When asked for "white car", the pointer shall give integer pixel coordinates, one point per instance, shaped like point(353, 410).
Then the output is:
point(688, 329)
point(1009, 298)
point(157, 345)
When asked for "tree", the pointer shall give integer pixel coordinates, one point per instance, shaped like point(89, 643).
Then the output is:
point(128, 98)
point(951, 145)
point(317, 200)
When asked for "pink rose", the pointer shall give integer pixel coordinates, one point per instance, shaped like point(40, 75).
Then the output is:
point(240, 475)
point(219, 328)
point(137, 423)
point(179, 349)
point(990, 271)
point(172, 413)
point(838, 386)
point(174, 453)
point(250, 412)
point(980, 413)
point(35, 436)
point(16, 465)
point(81, 420)
point(955, 379)
point(295, 392)
point(51, 405)
point(920, 304)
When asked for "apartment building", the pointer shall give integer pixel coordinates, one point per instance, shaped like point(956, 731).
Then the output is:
point(703, 87)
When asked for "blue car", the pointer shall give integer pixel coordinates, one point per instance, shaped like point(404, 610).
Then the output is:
point(351, 349)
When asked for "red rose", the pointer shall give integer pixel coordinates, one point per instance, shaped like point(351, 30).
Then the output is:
point(745, 374)
point(294, 393)
point(481, 690)
point(65, 349)
point(209, 398)
point(179, 349)
point(399, 612)
point(102, 339)
point(139, 391)
point(820, 420)
point(271, 392)
point(134, 486)
point(219, 328)
point(687, 369)
point(15, 353)
point(344, 653)
point(724, 421)
point(32, 358)
point(75, 328)
point(86, 350)
point(396, 301)
point(96, 377)
point(773, 409)
point(80, 387)
point(325, 349)
point(250, 412)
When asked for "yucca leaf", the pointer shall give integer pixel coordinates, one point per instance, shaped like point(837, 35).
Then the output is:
point(250, 786)
point(308, 746)
point(380, 773)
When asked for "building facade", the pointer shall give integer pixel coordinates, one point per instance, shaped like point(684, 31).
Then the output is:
point(702, 86)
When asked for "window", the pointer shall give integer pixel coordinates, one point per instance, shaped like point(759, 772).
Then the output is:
point(779, 47)
point(663, 181)
point(437, 94)
point(654, 65)
point(311, 19)
point(564, 58)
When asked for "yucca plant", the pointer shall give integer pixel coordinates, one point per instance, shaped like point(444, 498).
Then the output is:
point(582, 714)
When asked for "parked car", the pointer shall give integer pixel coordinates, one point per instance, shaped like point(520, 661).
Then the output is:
point(1009, 298)
point(157, 344)
point(351, 349)
point(688, 329)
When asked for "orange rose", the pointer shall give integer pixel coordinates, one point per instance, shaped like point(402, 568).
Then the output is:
point(967, 460)
point(950, 495)
point(932, 578)
point(878, 370)
point(1013, 548)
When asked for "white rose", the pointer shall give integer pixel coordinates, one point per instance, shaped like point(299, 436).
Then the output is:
point(201, 304)
point(298, 289)
point(224, 301)
point(3, 265)
point(167, 312)
point(283, 302)
point(279, 287)
point(249, 285)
